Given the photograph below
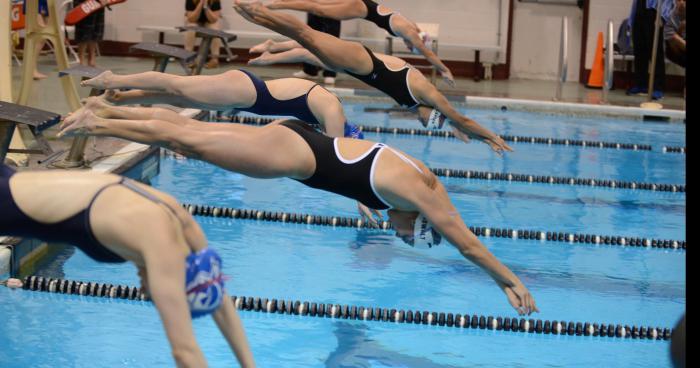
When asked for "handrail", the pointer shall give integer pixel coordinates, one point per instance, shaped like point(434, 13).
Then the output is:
point(563, 57)
point(608, 68)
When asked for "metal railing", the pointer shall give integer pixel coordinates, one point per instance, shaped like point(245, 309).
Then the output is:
point(563, 58)
point(608, 58)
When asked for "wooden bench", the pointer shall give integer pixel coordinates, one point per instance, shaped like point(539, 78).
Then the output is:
point(387, 42)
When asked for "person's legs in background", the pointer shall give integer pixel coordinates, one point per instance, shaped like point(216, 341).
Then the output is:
point(215, 46)
point(98, 27)
point(326, 25)
point(41, 21)
point(643, 39)
point(190, 36)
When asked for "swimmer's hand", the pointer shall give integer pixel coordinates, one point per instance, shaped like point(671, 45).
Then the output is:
point(496, 143)
point(448, 77)
point(367, 214)
point(520, 298)
point(143, 276)
point(12, 283)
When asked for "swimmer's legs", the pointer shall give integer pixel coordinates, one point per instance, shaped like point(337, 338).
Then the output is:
point(298, 55)
point(104, 110)
point(336, 53)
point(141, 97)
point(211, 90)
point(334, 9)
point(251, 151)
point(274, 46)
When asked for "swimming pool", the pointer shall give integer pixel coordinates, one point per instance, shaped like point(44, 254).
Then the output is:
point(570, 281)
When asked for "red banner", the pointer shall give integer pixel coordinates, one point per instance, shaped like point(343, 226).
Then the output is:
point(86, 8)
point(17, 15)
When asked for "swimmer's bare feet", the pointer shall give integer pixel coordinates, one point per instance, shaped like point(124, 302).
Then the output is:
point(251, 10)
point(98, 105)
point(78, 123)
point(102, 81)
point(262, 47)
point(264, 59)
point(112, 95)
point(38, 76)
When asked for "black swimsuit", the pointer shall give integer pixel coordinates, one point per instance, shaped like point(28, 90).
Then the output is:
point(382, 21)
point(392, 82)
point(350, 178)
point(75, 230)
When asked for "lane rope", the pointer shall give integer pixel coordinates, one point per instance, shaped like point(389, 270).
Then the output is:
point(376, 314)
point(357, 222)
point(670, 149)
point(250, 120)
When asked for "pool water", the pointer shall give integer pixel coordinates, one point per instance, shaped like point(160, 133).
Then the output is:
point(571, 282)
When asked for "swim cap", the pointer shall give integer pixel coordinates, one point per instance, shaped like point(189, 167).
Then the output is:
point(426, 41)
point(436, 120)
point(424, 236)
point(204, 282)
point(353, 131)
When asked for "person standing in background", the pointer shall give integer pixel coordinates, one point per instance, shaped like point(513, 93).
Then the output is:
point(41, 21)
point(642, 21)
point(88, 34)
point(325, 25)
point(674, 34)
point(203, 13)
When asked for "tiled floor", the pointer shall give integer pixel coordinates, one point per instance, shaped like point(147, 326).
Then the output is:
point(47, 94)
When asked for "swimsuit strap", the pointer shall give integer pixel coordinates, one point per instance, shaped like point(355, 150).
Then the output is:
point(129, 184)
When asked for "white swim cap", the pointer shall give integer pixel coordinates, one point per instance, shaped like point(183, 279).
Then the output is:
point(424, 236)
point(425, 38)
point(436, 120)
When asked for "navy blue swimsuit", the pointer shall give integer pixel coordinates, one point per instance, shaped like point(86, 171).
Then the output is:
point(266, 104)
point(75, 230)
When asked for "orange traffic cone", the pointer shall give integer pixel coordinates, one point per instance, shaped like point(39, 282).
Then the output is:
point(595, 79)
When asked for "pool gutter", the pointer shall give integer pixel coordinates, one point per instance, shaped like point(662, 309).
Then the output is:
point(548, 107)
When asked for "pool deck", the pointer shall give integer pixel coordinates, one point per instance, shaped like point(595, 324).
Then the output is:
point(44, 97)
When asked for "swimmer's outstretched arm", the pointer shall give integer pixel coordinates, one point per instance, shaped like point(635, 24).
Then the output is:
point(165, 275)
point(231, 327)
point(415, 40)
point(466, 127)
point(436, 206)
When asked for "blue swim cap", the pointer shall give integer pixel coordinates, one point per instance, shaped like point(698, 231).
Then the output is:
point(353, 131)
point(204, 282)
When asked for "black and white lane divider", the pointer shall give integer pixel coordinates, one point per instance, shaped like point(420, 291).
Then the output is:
point(376, 314)
point(356, 222)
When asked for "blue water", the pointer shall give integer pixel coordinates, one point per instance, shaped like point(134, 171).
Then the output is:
point(572, 282)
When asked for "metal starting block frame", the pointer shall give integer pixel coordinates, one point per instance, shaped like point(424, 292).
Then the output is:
point(37, 120)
